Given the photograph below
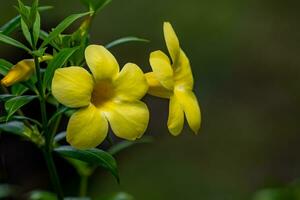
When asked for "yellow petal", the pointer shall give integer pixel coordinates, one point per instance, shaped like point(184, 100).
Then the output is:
point(176, 117)
point(190, 107)
point(183, 74)
point(22, 71)
point(131, 83)
point(155, 87)
point(72, 86)
point(87, 128)
point(171, 41)
point(101, 62)
point(162, 69)
point(128, 120)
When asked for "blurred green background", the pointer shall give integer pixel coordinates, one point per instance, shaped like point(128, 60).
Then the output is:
point(246, 65)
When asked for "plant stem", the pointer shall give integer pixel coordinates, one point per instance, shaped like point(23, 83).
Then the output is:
point(53, 173)
point(48, 145)
point(83, 185)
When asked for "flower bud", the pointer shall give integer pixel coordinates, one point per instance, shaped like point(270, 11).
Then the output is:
point(22, 71)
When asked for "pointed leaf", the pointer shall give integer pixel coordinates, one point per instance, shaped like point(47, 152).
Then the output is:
point(26, 32)
point(15, 22)
point(62, 26)
point(14, 127)
point(92, 156)
point(12, 42)
point(124, 40)
point(14, 104)
point(36, 28)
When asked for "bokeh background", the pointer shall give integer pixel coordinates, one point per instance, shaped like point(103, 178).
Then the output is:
point(246, 65)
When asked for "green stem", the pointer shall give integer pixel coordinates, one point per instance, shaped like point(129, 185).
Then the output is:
point(83, 185)
point(48, 145)
point(53, 173)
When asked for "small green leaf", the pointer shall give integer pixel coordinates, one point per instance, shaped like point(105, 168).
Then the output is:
point(5, 66)
point(125, 40)
point(57, 62)
point(60, 136)
point(36, 28)
point(13, 42)
point(92, 156)
point(34, 11)
point(27, 118)
point(14, 104)
point(62, 26)
point(57, 113)
point(15, 22)
point(126, 144)
point(14, 127)
point(26, 32)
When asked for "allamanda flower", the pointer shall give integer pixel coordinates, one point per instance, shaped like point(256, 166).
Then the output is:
point(174, 80)
point(105, 96)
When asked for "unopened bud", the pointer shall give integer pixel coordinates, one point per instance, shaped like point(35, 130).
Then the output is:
point(22, 71)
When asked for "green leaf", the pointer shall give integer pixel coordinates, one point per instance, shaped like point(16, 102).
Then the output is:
point(15, 22)
point(36, 29)
point(62, 26)
point(5, 97)
point(27, 118)
point(12, 42)
point(42, 195)
point(18, 89)
point(34, 11)
point(11, 25)
point(14, 104)
point(60, 136)
point(5, 66)
point(125, 40)
point(57, 62)
point(24, 12)
point(14, 127)
point(26, 32)
point(126, 144)
point(57, 113)
point(92, 156)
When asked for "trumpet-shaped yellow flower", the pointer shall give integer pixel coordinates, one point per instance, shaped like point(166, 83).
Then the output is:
point(107, 96)
point(174, 80)
point(22, 71)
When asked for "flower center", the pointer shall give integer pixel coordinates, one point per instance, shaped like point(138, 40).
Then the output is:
point(103, 92)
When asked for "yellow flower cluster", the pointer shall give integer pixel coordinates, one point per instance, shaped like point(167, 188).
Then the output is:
point(110, 97)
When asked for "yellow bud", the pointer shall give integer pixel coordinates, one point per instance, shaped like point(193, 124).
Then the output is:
point(22, 71)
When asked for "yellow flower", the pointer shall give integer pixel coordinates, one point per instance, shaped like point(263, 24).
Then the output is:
point(22, 71)
point(174, 80)
point(105, 96)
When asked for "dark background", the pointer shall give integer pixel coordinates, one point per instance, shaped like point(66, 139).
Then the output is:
point(245, 60)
